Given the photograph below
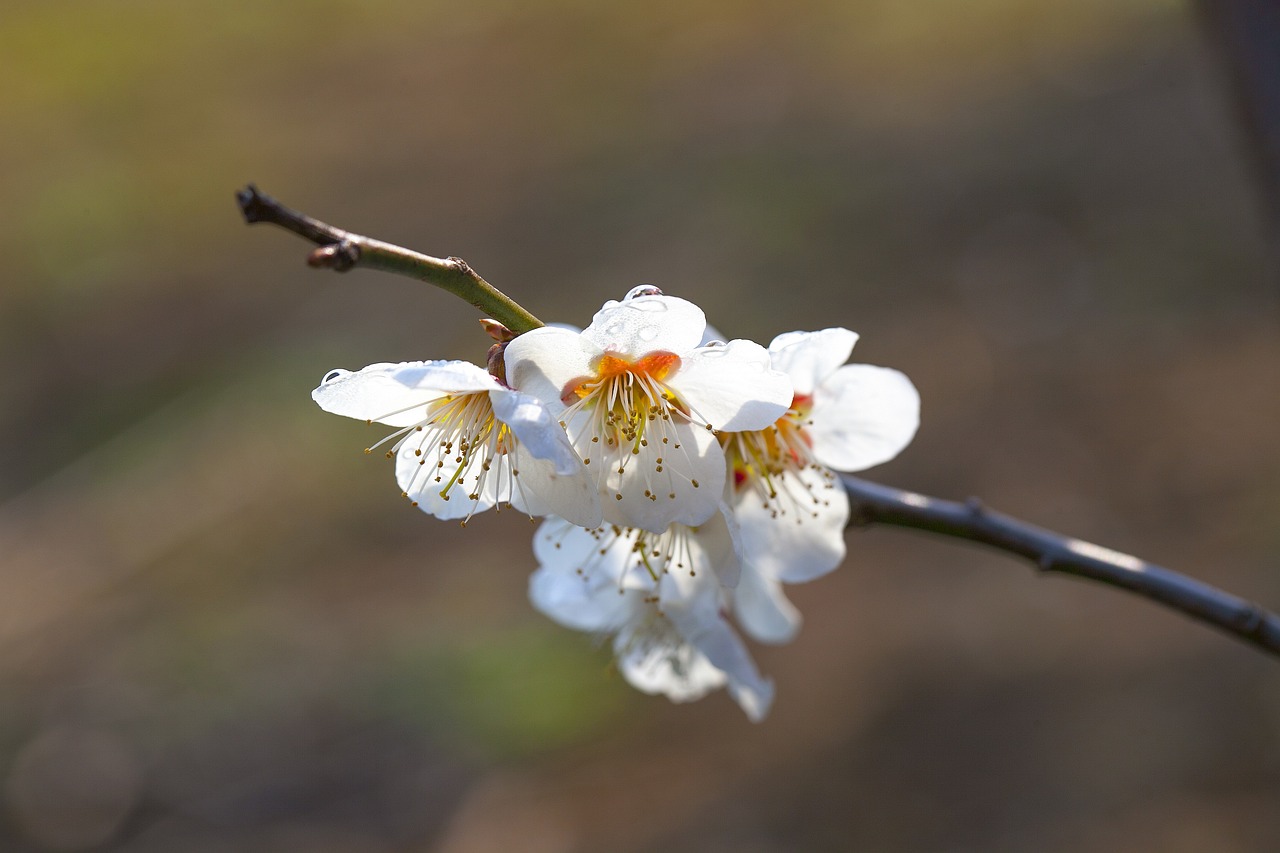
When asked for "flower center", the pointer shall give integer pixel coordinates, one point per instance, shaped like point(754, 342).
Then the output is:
point(635, 559)
point(455, 445)
point(758, 460)
point(628, 414)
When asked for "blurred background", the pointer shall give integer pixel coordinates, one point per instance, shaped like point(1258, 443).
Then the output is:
point(221, 629)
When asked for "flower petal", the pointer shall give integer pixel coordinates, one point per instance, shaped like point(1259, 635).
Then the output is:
point(644, 324)
point(538, 488)
point(393, 394)
point(542, 362)
point(707, 631)
point(444, 492)
point(536, 429)
point(574, 585)
point(799, 534)
point(763, 610)
point(732, 386)
point(863, 416)
point(681, 672)
point(642, 495)
point(810, 357)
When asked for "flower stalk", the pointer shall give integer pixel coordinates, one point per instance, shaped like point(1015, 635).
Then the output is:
point(341, 251)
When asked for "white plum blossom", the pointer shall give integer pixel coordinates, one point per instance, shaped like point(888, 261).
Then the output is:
point(642, 401)
point(657, 596)
point(685, 479)
point(464, 441)
point(789, 505)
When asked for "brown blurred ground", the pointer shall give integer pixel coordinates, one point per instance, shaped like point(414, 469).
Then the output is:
point(222, 630)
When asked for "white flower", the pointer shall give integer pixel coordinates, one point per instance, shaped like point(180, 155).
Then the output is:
point(658, 597)
point(642, 401)
point(790, 506)
point(465, 442)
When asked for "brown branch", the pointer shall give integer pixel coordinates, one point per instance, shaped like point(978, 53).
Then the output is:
point(1053, 552)
point(871, 503)
point(342, 250)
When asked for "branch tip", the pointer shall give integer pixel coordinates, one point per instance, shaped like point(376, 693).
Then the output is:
point(251, 203)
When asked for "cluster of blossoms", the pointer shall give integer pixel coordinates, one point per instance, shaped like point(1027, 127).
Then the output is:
point(684, 480)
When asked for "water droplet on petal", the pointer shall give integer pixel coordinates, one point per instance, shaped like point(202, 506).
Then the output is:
point(641, 290)
point(648, 333)
point(332, 375)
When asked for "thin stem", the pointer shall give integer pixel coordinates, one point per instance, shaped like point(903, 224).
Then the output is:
point(342, 250)
point(1054, 552)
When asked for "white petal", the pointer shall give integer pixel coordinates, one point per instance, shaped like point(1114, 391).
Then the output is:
point(732, 386)
point(574, 584)
point(679, 672)
point(691, 455)
point(647, 324)
point(798, 535)
point(711, 634)
point(546, 360)
point(394, 394)
point(417, 479)
point(721, 537)
point(568, 599)
point(810, 357)
point(763, 610)
point(863, 416)
point(536, 429)
point(540, 489)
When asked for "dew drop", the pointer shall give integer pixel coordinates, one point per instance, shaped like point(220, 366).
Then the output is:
point(331, 375)
point(648, 333)
point(641, 290)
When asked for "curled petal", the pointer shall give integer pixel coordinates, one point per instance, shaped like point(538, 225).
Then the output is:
point(644, 324)
point(732, 386)
point(863, 416)
point(544, 361)
point(810, 357)
point(395, 394)
point(536, 429)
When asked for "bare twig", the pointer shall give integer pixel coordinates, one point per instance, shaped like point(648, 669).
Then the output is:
point(1053, 552)
point(342, 250)
point(871, 503)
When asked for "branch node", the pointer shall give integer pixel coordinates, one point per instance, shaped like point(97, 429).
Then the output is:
point(1251, 621)
point(463, 266)
point(339, 257)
